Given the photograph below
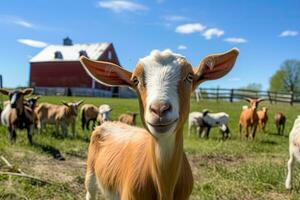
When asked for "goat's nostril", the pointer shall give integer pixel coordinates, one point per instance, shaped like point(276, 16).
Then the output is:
point(165, 108)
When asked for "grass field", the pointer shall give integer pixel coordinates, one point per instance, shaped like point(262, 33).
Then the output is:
point(233, 169)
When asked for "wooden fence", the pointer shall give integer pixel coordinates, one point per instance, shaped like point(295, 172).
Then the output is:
point(238, 94)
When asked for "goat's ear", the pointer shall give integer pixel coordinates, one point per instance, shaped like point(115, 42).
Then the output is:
point(27, 91)
point(37, 97)
point(4, 91)
point(248, 99)
point(79, 102)
point(214, 66)
point(107, 73)
point(65, 103)
point(261, 99)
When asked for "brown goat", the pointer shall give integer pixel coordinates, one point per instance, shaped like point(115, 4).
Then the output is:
point(16, 115)
point(280, 120)
point(249, 118)
point(89, 112)
point(262, 118)
point(60, 115)
point(128, 118)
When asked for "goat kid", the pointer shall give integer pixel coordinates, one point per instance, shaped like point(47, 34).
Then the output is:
point(249, 118)
point(262, 118)
point(280, 120)
point(103, 114)
point(128, 118)
point(128, 162)
point(60, 115)
point(16, 115)
point(89, 113)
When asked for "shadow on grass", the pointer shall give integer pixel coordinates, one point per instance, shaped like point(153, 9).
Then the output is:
point(50, 150)
point(269, 142)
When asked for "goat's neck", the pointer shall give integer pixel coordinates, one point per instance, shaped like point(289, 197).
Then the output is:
point(166, 156)
point(20, 110)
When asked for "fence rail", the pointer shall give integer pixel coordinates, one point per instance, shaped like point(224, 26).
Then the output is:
point(238, 94)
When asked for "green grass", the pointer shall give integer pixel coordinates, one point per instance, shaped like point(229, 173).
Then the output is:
point(233, 169)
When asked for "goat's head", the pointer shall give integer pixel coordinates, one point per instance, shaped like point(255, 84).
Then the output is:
point(16, 97)
point(164, 82)
point(73, 107)
point(31, 102)
point(104, 111)
point(254, 102)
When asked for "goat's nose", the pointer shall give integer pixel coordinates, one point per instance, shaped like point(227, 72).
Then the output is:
point(160, 108)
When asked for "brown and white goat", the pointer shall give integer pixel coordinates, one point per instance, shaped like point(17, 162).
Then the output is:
point(89, 113)
point(16, 115)
point(128, 118)
point(249, 117)
point(280, 122)
point(60, 115)
point(128, 162)
point(262, 118)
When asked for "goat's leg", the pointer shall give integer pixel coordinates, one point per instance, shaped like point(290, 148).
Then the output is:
point(29, 133)
point(290, 166)
point(57, 128)
point(64, 128)
point(247, 131)
point(240, 130)
point(12, 134)
point(91, 185)
point(254, 131)
point(189, 129)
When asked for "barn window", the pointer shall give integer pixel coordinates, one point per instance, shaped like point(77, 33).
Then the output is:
point(109, 56)
point(58, 55)
point(83, 53)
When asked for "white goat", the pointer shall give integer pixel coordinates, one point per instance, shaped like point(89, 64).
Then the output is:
point(103, 114)
point(294, 151)
point(205, 120)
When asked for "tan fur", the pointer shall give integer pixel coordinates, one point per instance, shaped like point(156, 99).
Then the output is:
point(262, 118)
point(249, 118)
point(60, 115)
point(129, 163)
point(89, 112)
point(128, 118)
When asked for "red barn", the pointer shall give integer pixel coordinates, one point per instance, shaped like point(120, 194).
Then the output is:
point(57, 67)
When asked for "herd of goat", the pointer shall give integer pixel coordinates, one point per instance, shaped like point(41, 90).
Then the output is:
point(23, 113)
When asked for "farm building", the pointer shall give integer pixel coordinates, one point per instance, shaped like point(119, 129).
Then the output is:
point(57, 70)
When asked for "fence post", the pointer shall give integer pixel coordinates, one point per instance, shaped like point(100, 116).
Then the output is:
point(231, 95)
point(270, 98)
point(217, 93)
point(292, 98)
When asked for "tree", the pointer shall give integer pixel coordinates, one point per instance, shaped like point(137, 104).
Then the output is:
point(253, 86)
point(287, 77)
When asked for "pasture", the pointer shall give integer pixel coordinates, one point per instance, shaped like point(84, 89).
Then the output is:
point(232, 169)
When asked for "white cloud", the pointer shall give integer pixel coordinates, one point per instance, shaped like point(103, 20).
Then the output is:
point(182, 47)
point(23, 23)
point(33, 43)
point(190, 28)
point(121, 5)
point(289, 33)
point(175, 18)
point(235, 40)
point(209, 33)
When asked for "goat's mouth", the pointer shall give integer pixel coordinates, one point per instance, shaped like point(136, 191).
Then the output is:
point(161, 127)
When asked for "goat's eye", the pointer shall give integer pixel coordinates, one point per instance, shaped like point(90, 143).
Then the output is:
point(135, 81)
point(189, 78)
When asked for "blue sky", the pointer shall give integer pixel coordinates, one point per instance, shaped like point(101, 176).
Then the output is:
point(266, 32)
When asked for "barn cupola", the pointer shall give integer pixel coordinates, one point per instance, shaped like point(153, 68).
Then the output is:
point(83, 53)
point(67, 41)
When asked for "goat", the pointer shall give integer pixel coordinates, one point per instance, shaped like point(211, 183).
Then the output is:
point(89, 113)
point(203, 121)
point(128, 118)
point(216, 120)
point(249, 118)
point(16, 115)
point(103, 114)
point(294, 151)
point(60, 115)
point(262, 118)
point(128, 162)
point(32, 102)
point(280, 120)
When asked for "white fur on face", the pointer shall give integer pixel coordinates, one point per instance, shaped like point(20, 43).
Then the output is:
point(162, 73)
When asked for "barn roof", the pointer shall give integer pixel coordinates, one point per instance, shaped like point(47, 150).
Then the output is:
point(70, 52)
